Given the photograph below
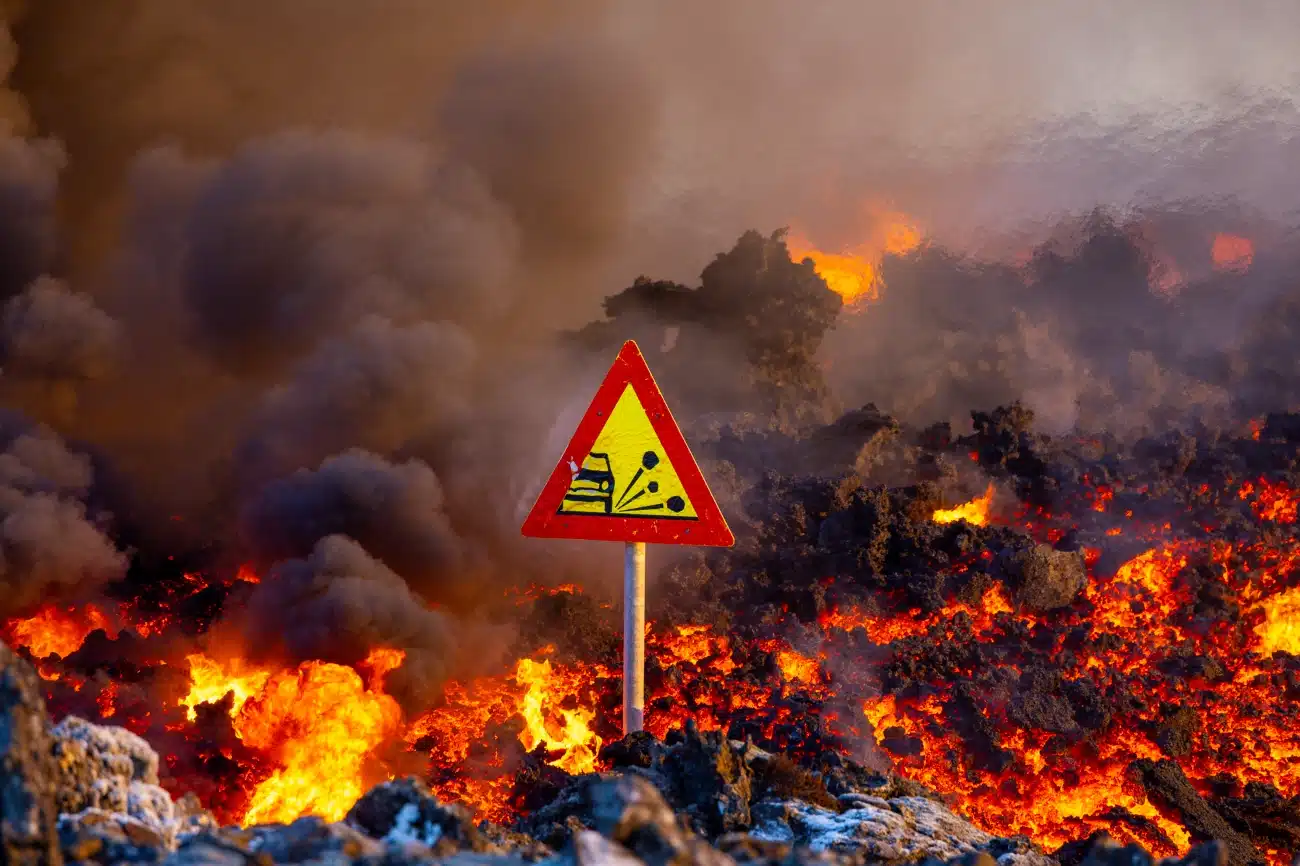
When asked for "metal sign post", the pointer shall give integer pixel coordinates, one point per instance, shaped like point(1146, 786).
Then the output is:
point(633, 637)
point(628, 475)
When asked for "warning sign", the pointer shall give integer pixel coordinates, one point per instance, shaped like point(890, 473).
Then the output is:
point(628, 474)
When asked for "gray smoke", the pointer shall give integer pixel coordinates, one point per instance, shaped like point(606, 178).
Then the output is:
point(344, 603)
point(51, 332)
point(395, 511)
point(51, 549)
point(373, 388)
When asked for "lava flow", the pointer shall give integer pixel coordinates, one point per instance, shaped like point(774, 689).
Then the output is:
point(1036, 721)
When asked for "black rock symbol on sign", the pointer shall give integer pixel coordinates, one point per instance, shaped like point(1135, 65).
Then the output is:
point(594, 482)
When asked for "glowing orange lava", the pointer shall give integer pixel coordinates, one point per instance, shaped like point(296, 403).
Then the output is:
point(1280, 630)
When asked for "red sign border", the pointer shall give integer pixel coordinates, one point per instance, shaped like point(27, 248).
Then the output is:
point(545, 521)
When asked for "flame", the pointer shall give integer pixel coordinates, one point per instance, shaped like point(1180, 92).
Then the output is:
point(210, 681)
point(58, 631)
point(975, 512)
point(315, 731)
point(548, 723)
point(1232, 252)
point(853, 274)
point(554, 703)
point(1280, 630)
point(321, 723)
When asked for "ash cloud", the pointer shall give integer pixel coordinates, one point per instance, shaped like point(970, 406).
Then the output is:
point(299, 236)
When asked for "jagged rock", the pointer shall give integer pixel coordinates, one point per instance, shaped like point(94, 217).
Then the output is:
point(634, 750)
point(899, 830)
point(1176, 732)
point(631, 812)
point(312, 839)
point(206, 849)
point(110, 776)
point(110, 837)
point(406, 811)
point(1045, 579)
point(1166, 785)
point(711, 781)
point(28, 776)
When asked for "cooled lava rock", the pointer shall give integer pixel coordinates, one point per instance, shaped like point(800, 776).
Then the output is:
point(1044, 579)
point(28, 773)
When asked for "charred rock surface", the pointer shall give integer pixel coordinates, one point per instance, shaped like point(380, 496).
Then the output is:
point(28, 773)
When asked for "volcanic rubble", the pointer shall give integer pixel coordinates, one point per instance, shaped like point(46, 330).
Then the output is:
point(82, 792)
point(78, 792)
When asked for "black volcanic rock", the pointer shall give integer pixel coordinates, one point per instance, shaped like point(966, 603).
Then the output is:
point(1044, 579)
point(1167, 786)
point(28, 772)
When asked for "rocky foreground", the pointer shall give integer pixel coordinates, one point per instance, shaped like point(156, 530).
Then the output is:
point(76, 792)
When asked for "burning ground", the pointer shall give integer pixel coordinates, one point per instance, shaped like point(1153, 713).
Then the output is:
point(1064, 635)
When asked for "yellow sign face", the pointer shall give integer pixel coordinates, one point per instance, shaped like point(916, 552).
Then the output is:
point(627, 473)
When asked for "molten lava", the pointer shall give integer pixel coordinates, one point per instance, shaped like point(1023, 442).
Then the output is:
point(319, 731)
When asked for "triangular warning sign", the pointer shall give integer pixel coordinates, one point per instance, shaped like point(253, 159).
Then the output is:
point(628, 474)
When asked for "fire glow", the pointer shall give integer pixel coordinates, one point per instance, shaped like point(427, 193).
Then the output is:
point(854, 273)
point(323, 728)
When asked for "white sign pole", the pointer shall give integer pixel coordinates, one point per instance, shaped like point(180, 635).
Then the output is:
point(633, 636)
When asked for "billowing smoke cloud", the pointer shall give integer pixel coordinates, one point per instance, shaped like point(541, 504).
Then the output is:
point(297, 237)
point(345, 603)
point(51, 550)
point(372, 388)
point(51, 332)
point(395, 511)
point(553, 142)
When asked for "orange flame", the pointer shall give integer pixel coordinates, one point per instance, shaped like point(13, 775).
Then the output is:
point(58, 631)
point(975, 512)
point(853, 274)
point(547, 722)
point(320, 721)
point(1280, 630)
point(210, 681)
